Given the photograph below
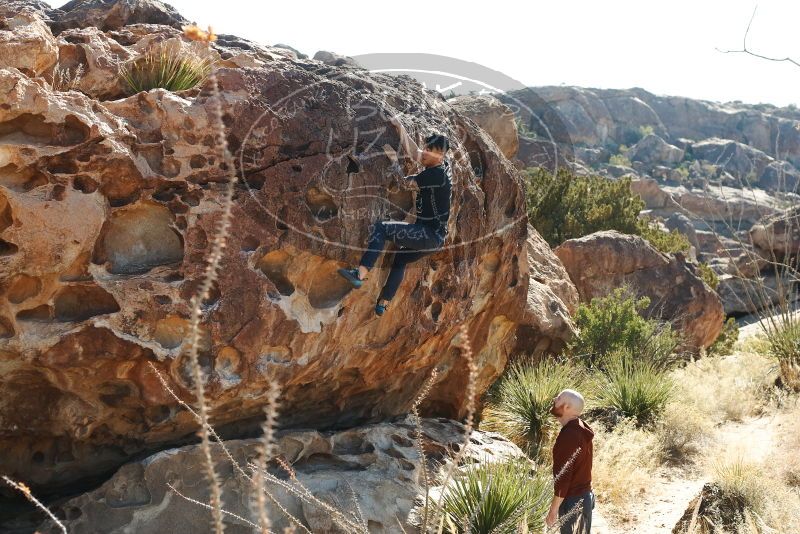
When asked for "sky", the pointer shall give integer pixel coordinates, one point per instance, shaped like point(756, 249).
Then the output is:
point(667, 47)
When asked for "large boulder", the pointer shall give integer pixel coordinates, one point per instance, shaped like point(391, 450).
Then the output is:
point(26, 42)
point(496, 118)
point(778, 235)
point(742, 161)
point(653, 150)
point(552, 300)
point(600, 262)
point(116, 14)
point(372, 474)
point(107, 212)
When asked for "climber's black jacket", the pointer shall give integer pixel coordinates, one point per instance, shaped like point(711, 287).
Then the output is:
point(433, 199)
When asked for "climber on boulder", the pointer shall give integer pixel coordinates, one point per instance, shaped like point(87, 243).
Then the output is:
point(427, 233)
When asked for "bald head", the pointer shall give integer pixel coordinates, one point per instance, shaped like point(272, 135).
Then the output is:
point(569, 403)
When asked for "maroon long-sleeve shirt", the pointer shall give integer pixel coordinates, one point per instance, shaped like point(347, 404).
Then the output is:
point(577, 478)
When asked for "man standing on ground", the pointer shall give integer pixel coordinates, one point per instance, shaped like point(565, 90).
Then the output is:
point(572, 466)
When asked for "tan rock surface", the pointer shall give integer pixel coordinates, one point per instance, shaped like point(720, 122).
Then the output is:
point(376, 466)
point(107, 209)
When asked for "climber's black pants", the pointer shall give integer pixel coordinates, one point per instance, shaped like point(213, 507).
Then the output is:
point(413, 240)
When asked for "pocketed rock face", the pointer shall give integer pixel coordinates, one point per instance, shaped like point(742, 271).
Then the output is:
point(377, 467)
point(107, 212)
point(602, 261)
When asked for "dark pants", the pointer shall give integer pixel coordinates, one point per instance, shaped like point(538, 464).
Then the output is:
point(414, 241)
point(580, 523)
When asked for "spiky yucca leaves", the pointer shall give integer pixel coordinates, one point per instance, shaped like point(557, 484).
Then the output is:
point(166, 67)
point(633, 387)
point(499, 497)
point(519, 404)
point(784, 344)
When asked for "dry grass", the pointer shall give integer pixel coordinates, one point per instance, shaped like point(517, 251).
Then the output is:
point(766, 504)
point(682, 432)
point(625, 460)
point(729, 388)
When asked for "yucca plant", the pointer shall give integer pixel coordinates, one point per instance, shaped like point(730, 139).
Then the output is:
point(633, 387)
point(519, 404)
point(166, 67)
point(784, 344)
point(500, 497)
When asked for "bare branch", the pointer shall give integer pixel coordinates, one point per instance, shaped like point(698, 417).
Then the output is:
point(747, 51)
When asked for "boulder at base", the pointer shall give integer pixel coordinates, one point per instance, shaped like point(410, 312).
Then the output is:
point(376, 466)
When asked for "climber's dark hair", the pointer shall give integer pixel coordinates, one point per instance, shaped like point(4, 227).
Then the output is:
point(438, 142)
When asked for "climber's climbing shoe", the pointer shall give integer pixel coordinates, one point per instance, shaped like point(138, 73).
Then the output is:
point(380, 308)
point(351, 275)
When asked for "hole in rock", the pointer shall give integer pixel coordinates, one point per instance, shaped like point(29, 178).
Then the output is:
point(249, 243)
point(351, 444)
point(6, 328)
point(275, 265)
point(197, 161)
point(352, 165)
point(137, 239)
point(84, 184)
point(280, 223)
point(172, 330)
point(405, 464)
point(30, 129)
point(192, 198)
point(403, 442)
point(7, 249)
point(21, 180)
point(38, 314)
point(37, 457)
point(22, 287)
point(113, 394)
point(328, 287)
point(436, 310)
point(6, 217)
point(162, 299)
point(58, 192)
point(321, 204)
point(80, 302)
point(297, 168)
point(62, 166)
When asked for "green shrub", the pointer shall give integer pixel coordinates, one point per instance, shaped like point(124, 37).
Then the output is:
point(666, 242)
point(726, 340)
point(612, 323)
point(646, 130)
point(708, 275)
point(518, 406)
point(619, 160)
point(497, 498)
point(566, 206)
point(166, 67)
point(632, 387)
